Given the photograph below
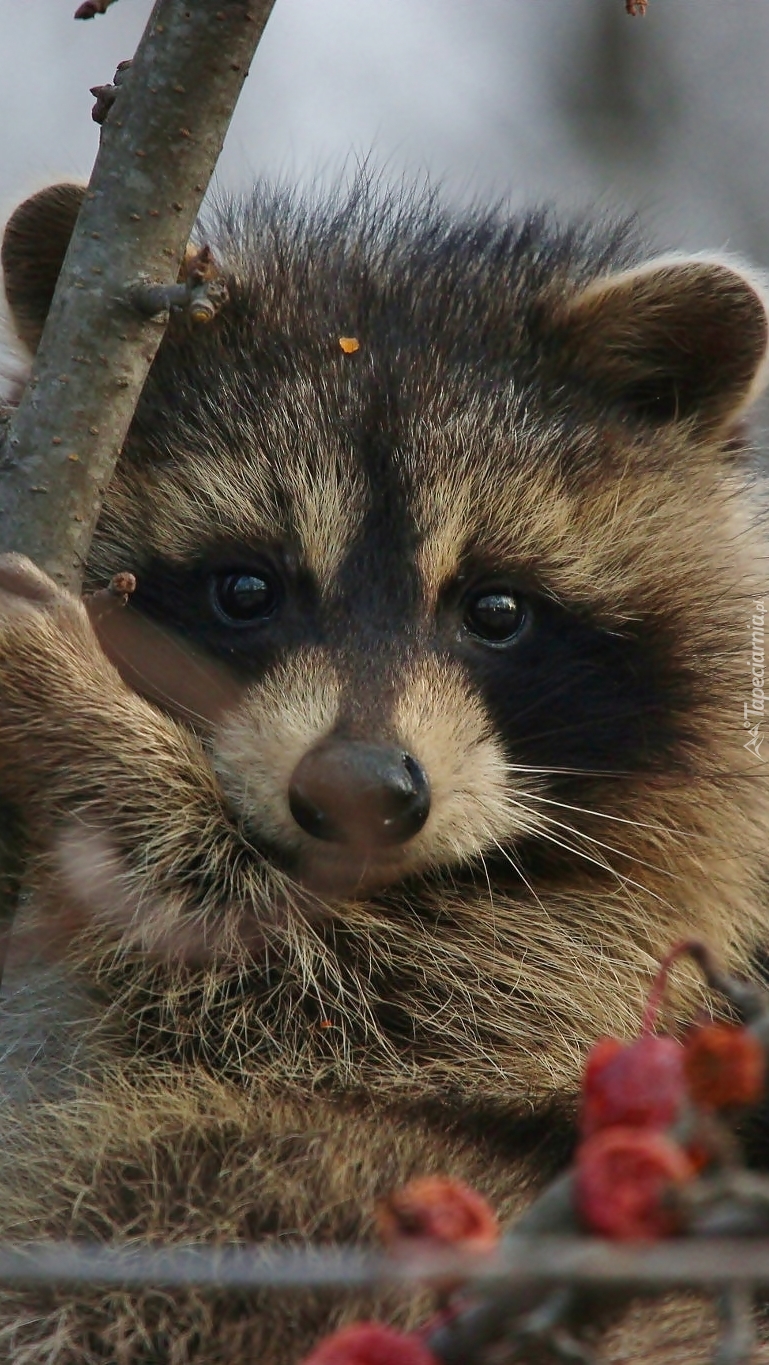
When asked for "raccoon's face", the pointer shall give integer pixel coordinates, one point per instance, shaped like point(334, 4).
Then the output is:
point(465, 593)
point(462, 617)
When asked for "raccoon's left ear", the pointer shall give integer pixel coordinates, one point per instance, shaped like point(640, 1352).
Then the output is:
point(34, 245)
point(679, 339)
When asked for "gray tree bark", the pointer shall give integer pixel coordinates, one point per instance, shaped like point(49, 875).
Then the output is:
point(160, 145)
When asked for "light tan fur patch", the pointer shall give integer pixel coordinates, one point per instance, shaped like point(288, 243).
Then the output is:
point(443, 723)
point(258, 746)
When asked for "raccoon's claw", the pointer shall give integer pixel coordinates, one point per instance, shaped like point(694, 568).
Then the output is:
point(53, 675)
point(47, 645)
point(20, 578)
point(31, 601)
point(45, 635)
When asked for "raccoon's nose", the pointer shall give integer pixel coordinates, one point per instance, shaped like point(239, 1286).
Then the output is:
point(349, 792)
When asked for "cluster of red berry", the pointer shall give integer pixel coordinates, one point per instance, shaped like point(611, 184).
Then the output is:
point(430, 1214)
point(642, 1105)
point(645, 1132)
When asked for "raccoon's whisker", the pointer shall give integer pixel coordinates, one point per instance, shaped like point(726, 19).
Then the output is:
point(673, 831)
point(621, 877)
point(517, 868)
point(492, 907)
point(180, 709)
point(597, 843)
point(539, 832)
point(587, 810)
point(623, 774)
point(553, 771)
point(534, 827)
point(610, 848)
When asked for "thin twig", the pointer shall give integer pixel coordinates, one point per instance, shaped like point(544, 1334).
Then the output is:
point(90, 8)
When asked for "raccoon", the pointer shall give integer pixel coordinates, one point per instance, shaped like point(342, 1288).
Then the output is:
point(420, 740)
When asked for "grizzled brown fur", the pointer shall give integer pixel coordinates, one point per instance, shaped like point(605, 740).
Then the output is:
point(512, 537)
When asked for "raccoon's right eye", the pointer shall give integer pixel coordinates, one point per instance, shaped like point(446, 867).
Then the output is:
point(243, 597)
point(496, 617)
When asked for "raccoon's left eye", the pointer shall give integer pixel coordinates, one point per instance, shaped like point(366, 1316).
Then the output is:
point(242, 598)
point(497, 617)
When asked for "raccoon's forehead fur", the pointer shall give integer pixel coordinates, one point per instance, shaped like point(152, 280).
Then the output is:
point(511, 422)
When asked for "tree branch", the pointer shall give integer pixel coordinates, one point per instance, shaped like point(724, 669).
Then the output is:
point(159, 148)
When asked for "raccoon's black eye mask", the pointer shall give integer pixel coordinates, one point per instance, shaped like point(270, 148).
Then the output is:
point(243, 608)
point(562, 691)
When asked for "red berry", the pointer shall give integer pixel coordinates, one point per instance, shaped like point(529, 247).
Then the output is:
point(623, 1177)
point(370, 1343)
point(437, 1211)
point(638, 1085)
point(724, 1066)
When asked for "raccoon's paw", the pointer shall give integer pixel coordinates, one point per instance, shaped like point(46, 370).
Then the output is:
point(51, 664)
point(44, 629)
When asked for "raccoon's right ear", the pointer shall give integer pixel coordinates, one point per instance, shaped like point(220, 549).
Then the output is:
point(34, 246)
point(681, 339)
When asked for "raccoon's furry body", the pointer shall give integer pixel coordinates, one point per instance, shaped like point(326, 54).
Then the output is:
point(443, 645)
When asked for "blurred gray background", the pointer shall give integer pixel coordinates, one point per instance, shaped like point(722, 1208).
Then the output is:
point(526, 100)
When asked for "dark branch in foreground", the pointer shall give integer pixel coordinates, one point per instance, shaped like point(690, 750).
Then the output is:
point(686, 1263)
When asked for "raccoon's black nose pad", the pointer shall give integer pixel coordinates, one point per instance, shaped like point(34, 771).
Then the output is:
point(347, 792)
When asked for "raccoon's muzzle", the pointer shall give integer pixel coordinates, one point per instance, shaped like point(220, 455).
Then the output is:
point(367, 797)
